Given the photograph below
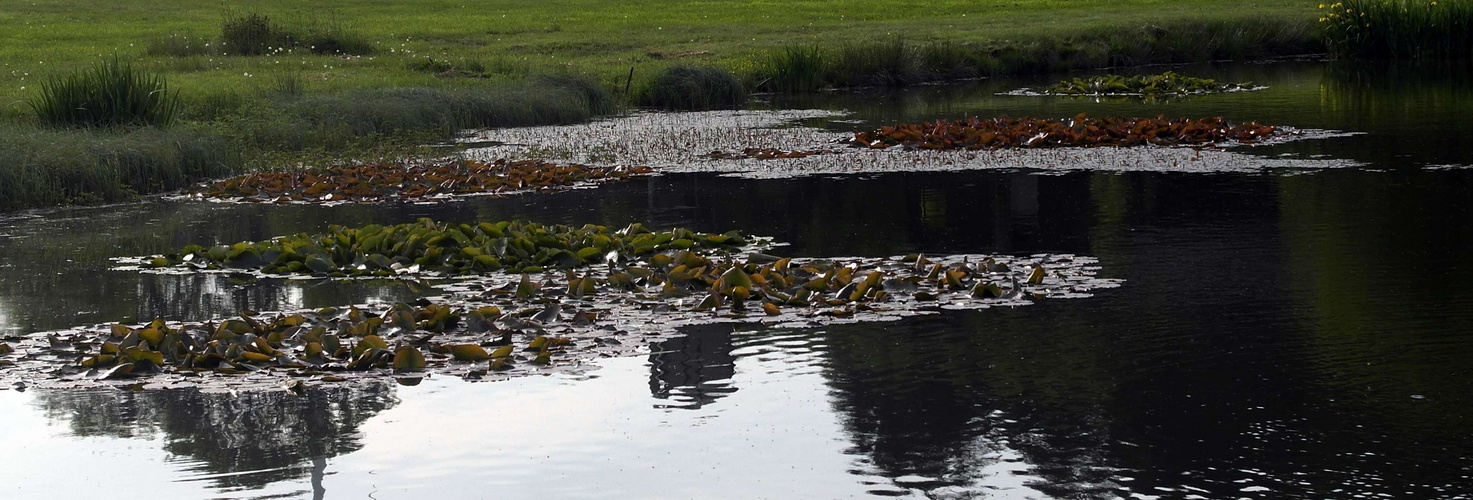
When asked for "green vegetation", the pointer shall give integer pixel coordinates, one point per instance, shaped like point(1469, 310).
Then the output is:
point(897, 62)
point(256, 34)
point(413, 181)
point(43, 167)
point(795, 68)
point(1082, 130)
point(694, 88)
point(603, 39)
point(1168, 83)
point(109, 94)
point(450, 249)
point(350, 119)
point(281, 85)
point(448, 337)
point(1399, 29)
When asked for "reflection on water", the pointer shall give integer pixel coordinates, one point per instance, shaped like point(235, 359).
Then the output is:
point(693, 370)
point(230, 440)
point(1277, 336)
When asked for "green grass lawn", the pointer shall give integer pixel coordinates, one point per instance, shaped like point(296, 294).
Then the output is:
point(511, 38)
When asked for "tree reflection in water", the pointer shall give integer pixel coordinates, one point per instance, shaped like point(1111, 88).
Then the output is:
point(693, 370)
point(241, 440)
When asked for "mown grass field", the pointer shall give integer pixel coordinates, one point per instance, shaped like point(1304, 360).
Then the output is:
point(511, 38)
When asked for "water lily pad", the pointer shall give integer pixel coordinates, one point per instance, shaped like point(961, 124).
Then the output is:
point(408, 359)
point(429, 247)
point(468, 352)
point(1082, 130)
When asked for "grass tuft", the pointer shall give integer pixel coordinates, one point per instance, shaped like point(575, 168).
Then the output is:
point(889, 63)
point(256, 34)
point(795, 68)
point(109, 94)
point(693, 88)
point(252, 34)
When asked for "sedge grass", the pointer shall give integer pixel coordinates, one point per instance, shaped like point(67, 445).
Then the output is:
point(111, 93)
point(1399, 29)
point(693, 88)
point(46, 167)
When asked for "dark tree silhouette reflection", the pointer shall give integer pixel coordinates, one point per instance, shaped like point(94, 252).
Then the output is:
point(235, 440)
point(695, 369)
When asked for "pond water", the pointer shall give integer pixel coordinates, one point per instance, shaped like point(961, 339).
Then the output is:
point(1279, 333)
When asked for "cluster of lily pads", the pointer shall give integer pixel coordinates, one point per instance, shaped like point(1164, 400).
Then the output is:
point(430, 247)
point(1082, 130)
point(503, 324)
point(327, 345)
point(379, 182)
point(1168, 83)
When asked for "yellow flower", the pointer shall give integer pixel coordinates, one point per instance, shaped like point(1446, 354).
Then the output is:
point(1323, 5)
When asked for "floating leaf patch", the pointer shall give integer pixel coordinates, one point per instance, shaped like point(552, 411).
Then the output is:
point(380, 182)
point(440, 248)
point(1082, 130)
point(1168, 83)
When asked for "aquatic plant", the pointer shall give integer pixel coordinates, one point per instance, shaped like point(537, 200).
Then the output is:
point(1082, 130)
point(419, 181)
point(1398, 29)
point(693, 88)
point(111, 93)
point(502, 324)
point(429, 247)
point(885, 63)
point(1168, 83)
point(767, 154)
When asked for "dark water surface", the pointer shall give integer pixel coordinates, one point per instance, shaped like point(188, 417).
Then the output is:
point(1277, 336)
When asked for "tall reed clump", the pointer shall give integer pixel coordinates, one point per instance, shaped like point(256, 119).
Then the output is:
point(111, 93)
point(333, 36)
point(795, 68)
point(693, 88)
point(47, 167)
point(888, 63)
point(1399, 29)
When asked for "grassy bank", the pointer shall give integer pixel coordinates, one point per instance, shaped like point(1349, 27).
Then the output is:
point(281, 82)
point(43, 167)
point(508, 39)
